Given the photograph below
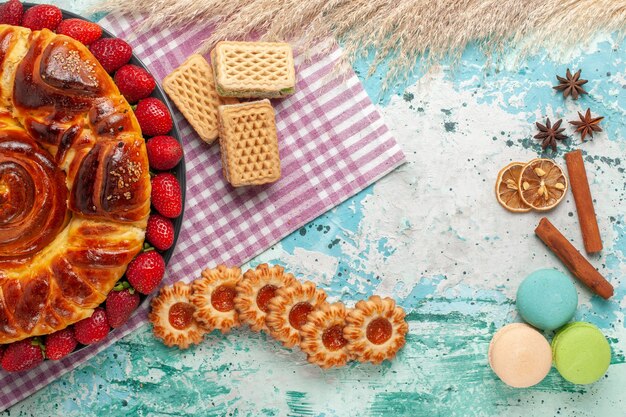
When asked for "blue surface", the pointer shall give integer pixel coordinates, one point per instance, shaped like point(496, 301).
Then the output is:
point(433, 236)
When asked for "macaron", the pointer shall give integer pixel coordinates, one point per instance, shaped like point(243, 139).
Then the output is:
point(581, 353)
point(520, 355)
point(547, 299)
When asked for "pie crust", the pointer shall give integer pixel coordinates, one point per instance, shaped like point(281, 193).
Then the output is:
point(172, 317)
point(290, 307)
point(256, 289)
point(322, 336)
point(74, 183)
point(213, 295)
point(376, 329)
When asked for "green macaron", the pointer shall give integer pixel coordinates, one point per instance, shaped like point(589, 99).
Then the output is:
point(581, 353)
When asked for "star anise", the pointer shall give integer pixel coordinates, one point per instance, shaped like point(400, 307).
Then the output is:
point(571, 85)
point(550, 133)
point(587, 124)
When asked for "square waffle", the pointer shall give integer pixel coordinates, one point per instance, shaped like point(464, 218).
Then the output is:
point(192, 88)
point(253, 69)
point(248, 143)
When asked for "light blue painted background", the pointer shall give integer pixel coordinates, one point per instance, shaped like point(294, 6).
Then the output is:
point(463, 258)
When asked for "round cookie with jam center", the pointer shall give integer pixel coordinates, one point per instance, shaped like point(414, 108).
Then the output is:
point(547, 299)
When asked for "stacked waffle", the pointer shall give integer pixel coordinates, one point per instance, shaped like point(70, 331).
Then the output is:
point(208, 96)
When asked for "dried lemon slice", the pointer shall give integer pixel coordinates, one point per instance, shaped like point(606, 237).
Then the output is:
point(542, 184)
point(507, 190)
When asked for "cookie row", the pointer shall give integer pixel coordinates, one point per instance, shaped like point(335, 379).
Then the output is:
point(296, 314)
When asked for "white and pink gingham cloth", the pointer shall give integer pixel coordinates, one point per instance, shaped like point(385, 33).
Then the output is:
point(333, 144)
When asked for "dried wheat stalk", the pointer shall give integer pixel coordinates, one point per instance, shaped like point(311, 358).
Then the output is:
point(405, 31)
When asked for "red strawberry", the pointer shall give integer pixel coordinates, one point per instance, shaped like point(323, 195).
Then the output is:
point(92, 329)
point(112, 53)
point(22, 355)
point(160, 232)
point(82, 30)
point(164, 152)
point(60, 344)
point(145, 272)
point(42, 16)
point(153, 116)
point(134, 82)
point(11, 13)
point(121, 303)
point(166, 195)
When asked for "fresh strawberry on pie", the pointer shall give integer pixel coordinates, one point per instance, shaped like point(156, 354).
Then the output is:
point(145, 272)
point(160, 232)
point(82, 30)
point(60, 344)
point(166, 195)
point(112, 53)
point(92, 329)
point(121, 303)
point(42, 16)
point(134, 82)
point(11, 13)
point(22, 355)
point(154, 117)
point(164, 152)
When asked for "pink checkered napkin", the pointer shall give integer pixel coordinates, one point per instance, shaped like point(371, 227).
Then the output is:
point(333, 143)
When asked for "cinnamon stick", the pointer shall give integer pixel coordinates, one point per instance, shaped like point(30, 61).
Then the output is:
point(584, 203)
point(573, 260)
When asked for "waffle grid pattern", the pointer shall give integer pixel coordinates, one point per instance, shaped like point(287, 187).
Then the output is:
point(249, 143)
point(261, 66)
point(250, 67)
point(192, 88)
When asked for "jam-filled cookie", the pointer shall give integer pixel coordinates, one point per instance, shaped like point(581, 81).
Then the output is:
point(172, 317)
point(376, 329)
point(322, 336)
point(288, 311)
point(214, 298)
point(255, 291)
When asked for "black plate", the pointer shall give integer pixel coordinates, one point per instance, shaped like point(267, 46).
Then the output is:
point(180, 170)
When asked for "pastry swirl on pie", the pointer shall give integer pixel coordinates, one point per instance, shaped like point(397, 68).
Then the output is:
point(322, 336)
point(172, 317)
point(214, 298)
point(255, 291)
point(376, 329)
point(288, 311)
point(74, 183)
